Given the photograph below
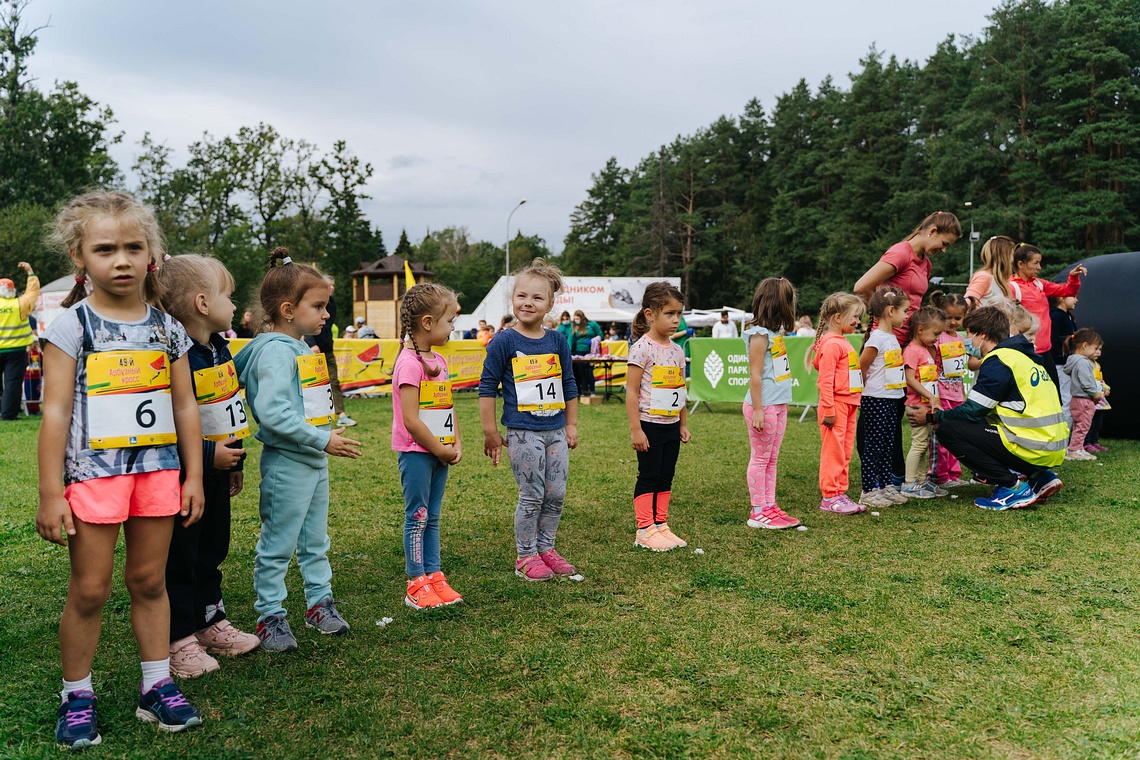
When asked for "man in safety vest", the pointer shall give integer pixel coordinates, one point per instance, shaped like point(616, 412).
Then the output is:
point(15, 337)
point(1012, 421)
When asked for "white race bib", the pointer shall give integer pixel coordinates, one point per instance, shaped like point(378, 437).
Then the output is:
point(437, 410)
point(667, 395)
point(781, 367)
point(538, 382)
point(128, 400)
point(953, 359)
point(928, 378)
point(221, 404)
point(316, 390)
point(854, 373)
point(896, 372)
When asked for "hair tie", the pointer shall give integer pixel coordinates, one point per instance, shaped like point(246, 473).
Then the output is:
point(151, 267)
point(80, 279)
point(286, 260)
point(166, 257)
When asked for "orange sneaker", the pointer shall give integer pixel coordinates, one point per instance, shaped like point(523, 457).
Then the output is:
point(446, 594)
point(420, 595)
point(650, 538)
point(669, 535)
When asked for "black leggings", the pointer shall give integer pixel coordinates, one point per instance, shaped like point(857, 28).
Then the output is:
point(193, 577)
point(897, 408)
point(655, 467)
point(877, 432)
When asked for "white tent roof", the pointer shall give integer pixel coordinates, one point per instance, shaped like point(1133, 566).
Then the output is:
point(707, 317)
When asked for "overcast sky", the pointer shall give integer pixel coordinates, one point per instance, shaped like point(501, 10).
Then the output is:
point(463, 108)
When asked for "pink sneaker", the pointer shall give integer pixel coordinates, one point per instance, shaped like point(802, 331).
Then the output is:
point(771, 517)
point(532, 568)
point(189, 660)
point(852, 503)
point(839, 505)
point(222, 638)
point(557, 565)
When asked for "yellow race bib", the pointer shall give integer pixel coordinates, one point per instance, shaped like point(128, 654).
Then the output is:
point(953, 359)
point(316, 389)
point(437, 410)
point(896, 372)
point(667, 395)
point(928, 377)
point(221, 404)
point(781, 367)
point(128, 400)
point(854, 373)
point(538, 382)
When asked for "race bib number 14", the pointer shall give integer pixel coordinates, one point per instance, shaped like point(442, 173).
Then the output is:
point(128, 400)
point(538, 382)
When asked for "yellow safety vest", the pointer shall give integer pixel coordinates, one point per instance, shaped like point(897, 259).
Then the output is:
point(1038, 433)
point(15, 332)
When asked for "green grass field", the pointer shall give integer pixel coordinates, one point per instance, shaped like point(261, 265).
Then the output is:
point(932, 631)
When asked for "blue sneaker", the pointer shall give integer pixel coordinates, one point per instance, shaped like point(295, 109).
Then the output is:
point(166, 706)
point(1045, 483)
point(77, 726)
point(1008, 498)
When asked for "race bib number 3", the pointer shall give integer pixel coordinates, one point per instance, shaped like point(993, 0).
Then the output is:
point(221, 403)
point(928, 377)
point(316, 390)
point(538, 382)
point(437, 410)
point(667, 391)
point(854, 373)
point(896, 373)
point(781, 367)
point(953, 359)
point(128, 400)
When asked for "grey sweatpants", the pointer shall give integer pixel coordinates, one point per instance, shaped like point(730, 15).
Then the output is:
point(540, 460)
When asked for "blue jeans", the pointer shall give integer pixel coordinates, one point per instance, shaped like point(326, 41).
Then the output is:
point(423, 478)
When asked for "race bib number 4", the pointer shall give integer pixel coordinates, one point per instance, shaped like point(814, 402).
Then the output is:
point(854, 373)
point(781, 367)
point(667, 391)
point(538, 382)
point(953, 359)
point(437, 410)
point(896, 373)
point(316, 390)
point(221, 403)
point(928, 377)
point(128, 400)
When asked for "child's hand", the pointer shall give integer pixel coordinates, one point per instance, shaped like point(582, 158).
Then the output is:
point(458, 452)
point(686, 436)
point(52, 513)
point(828, 421)
point(237, 482)
point(572, 436)
point(225, 458)
point(193, 502)
point(493, 444)
point(339, 446)
point(639, 440)
point(758, 418)
point(448, 455)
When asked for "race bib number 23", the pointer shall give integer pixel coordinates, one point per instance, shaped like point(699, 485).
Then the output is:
point(128, 400)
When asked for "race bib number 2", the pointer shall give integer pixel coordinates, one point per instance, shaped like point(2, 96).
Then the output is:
point(316, 389)
point(221, 404)
point(667, 392)
point(781, 367)
point(538, 382)
point(128, 400)
point(437, 410)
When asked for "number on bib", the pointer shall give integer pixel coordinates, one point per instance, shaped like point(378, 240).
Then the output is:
point(928, 377)
point(128, 400)
point(781, 367)
point(538, 382)
point(953, 359)
point(667, 394)
point(316, 390)
point(896, 372)
point(854, 373)
point(437, 410)
point(221, 404)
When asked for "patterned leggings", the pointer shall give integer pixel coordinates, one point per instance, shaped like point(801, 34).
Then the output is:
point(765, 443)
point(879, 426)
point(540, 461)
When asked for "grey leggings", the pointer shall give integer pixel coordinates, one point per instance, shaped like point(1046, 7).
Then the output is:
point(540, 460)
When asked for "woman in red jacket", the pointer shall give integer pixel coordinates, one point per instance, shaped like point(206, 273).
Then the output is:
point(1033, 293)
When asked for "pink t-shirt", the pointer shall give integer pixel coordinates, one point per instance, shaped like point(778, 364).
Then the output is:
point(917, 357)
point(912, 276)
point(951, 391)
point(647, 354)
point(410, 371)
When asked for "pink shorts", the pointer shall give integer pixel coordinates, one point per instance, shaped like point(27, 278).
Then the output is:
point(110, 501)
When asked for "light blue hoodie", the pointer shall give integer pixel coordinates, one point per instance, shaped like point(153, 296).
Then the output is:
point(267, 369)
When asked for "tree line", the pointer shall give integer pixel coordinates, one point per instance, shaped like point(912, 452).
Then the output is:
point(1035, 123)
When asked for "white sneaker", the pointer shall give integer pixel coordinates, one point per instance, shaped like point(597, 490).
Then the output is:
point(345, 421)
point(1080, 455)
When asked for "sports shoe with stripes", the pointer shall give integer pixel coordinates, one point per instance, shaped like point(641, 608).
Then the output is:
point(168, 707)
point(771, 517)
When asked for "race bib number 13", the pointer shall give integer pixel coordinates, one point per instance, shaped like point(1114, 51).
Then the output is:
point(538, 382)
point(437, 410)
point(316, 390)
point(128, 400)
point(667, 393)
point(221, 404)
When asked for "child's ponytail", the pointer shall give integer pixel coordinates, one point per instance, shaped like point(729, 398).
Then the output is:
point(1086, 336)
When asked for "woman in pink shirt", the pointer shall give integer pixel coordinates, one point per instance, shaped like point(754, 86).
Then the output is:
point(906, 265)
point(1033, 293)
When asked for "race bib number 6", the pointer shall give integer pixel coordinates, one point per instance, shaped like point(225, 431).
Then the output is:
point(538, 382)
point(437, 410)
point(316, 390)
point(221, 404)
point(128, 400)
point(667, 393)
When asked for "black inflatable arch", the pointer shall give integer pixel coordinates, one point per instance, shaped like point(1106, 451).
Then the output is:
point(1109, 303)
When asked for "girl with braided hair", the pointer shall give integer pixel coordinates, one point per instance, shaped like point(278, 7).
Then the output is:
point(425, 437)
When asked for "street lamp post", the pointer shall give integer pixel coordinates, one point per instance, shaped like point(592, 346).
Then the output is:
point(516, 208)
point(973, 236)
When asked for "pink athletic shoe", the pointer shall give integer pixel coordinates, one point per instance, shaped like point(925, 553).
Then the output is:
point(556, 563)
point(532, 568)
point(839, 505)
point(771, 517)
